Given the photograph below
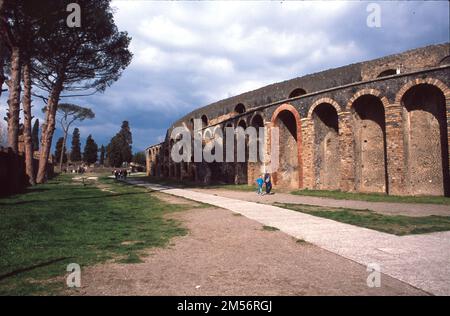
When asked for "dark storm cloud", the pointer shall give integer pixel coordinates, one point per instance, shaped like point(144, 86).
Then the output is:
point(188, 54)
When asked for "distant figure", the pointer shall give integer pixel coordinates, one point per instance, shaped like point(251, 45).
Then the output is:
point(268, 182)
point(260, 182)
point(116, 174)
point(125, 173)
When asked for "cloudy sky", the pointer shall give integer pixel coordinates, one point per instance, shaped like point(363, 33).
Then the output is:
point(189, 54)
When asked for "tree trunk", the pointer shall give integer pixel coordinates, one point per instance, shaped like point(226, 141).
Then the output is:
point(48, 130)
point(14, 100)
point(2, 64)
point(26, 102)
point(61, 158)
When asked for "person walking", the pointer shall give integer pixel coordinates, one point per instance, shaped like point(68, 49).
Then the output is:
point(268, 182)
point(260, 182)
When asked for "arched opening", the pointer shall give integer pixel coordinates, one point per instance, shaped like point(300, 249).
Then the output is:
point(297, 92)
point(204, 121)
point(426, 143)
point(229, 165)
point(240, 108)
point(388, 72)
point(241, 167)
point(171, 163)
point(256, 168)
point(326, 147)
point(287, 175)
point(216, 166)
point(242, 124)
point(445, 61)
point(370, 144)
point(191, 124)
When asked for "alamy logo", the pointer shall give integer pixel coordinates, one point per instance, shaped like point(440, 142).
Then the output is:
point(231, 145)
point(374, 278)
point(74, 278)
point(374, 17)
point(74, 18)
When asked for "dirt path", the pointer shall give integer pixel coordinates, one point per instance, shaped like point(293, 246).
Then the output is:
point(409, 209)
point(228, 254)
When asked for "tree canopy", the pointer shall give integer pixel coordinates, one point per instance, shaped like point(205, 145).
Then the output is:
point(118, 150)
point(90, 150)
point(75, 152)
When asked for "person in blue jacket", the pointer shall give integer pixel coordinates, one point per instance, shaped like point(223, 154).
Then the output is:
point(260, 182)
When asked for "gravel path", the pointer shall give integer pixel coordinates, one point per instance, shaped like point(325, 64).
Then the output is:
point(226, 254)
point(420, 260)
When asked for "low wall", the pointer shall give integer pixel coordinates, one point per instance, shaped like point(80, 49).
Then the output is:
point(13, 178)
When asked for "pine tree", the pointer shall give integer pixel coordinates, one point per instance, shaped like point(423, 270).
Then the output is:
point(118, 150)
point(114, 152)
point(88, 58)
point(58, 149)
point(90, 151)
point(102, 155)
point(75, 153)
point(35, 135)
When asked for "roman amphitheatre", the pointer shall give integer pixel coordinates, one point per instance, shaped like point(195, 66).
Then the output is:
point(379, 126)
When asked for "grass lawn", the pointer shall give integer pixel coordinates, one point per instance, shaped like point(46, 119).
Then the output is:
point(373, 197)
point(60, 222)
point(392, 224)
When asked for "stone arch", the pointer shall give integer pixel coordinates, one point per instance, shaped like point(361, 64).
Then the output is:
point(204, 119)
point(387, 72)
point(434, 82)
point(326, 154)
point(229, 162)
point(445, 60)
point(242, 123)
point(362, 92)
point(241, 167)
point(169, 157)
point(329, 101)
point(369, 138)
point(239, 108)
point(425, 104)
point(207, 134)
point(290, 170)
point(296, 93)
point(255, 168)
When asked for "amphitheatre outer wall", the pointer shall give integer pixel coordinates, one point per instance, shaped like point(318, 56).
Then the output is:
point(376, 126)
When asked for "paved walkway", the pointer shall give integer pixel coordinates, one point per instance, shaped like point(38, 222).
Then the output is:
point(420, 260)
point(388, 208)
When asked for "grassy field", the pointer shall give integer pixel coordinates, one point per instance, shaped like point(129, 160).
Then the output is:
point(373, 197)
point(63, 221)
point(392, 224)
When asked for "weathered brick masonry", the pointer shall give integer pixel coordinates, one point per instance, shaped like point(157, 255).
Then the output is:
point(375, 126)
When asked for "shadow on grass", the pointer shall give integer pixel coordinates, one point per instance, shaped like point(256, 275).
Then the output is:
point(40, 265)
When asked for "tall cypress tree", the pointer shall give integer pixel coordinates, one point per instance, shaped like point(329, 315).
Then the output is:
point(75, 154)
point(90, 150)
point(102, 155)
point(35, 135)
point(126, 138)
point(118, 150)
